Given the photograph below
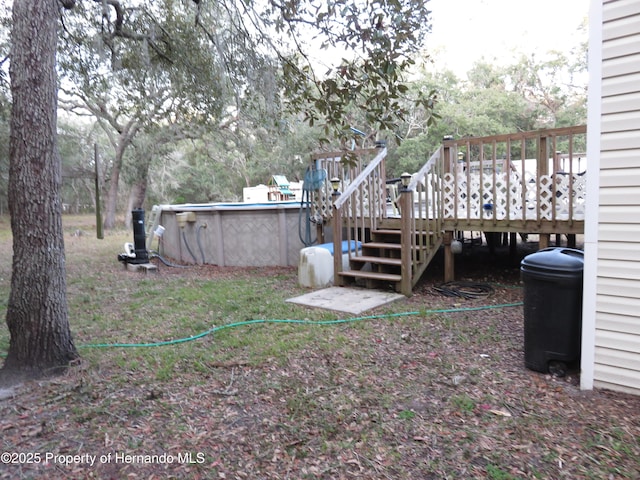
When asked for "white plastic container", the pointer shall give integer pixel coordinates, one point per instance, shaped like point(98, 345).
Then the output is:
point(315, 268)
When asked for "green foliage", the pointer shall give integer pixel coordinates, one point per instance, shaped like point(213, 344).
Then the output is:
point(496, 473)
point(219, 104)
point(550, 83)
point(407, 414)
point(411, 155)
point(527, 95)
point(146, 62)
point(76, 143)
point(463, 403)
point(376, 43)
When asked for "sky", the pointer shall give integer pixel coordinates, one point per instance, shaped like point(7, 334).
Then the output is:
point(465, 31)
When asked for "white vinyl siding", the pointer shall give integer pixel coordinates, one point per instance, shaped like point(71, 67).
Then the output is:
point(617, 316)
point(621, 85)
point(621, 306)
point(622, 11)
point(618, 196)
point(622, 103)
point(618, 323)
point(617, 378)
point(621, 122)
point(613, 250)
point(620, 159)
point(627, 233)
point(620, 177)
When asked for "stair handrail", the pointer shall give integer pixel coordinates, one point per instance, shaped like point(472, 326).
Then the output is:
point(343, 201)
point(421, 228)
point(423, 172)
point(362, 176)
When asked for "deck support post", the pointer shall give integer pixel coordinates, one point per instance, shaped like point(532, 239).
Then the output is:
point(406, 255)
point(544, 240)
point(337, 246)
point(449, 274)
point(513, 245)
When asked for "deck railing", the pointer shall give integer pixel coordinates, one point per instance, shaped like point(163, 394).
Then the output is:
point(421, 219)
point(527, 182)
point(336, 165)
point(516, 180)
point(358, 208)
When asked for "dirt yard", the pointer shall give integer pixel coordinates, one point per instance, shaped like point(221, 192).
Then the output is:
point(406, 394)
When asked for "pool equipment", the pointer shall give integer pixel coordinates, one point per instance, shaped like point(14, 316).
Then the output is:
point(136, 253)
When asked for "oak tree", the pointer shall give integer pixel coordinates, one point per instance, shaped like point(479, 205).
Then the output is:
point(37, 314)
point(374, 39)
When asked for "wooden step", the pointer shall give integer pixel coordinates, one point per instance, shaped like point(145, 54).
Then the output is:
point(388, 246)
point(386, 231)
point(387, 277)
point(391, 235)
point(382, 245)
point(394, 231)
point(378, 260)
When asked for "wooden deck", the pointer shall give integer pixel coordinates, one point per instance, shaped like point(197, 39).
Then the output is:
point(526, 182)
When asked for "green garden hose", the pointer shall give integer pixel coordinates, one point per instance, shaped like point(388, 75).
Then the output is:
point(298, 322)
point(293, 321)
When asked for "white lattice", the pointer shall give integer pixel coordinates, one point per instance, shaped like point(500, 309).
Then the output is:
point(362, 202)
point(565, 198)
point(479, 196)
point(545, 197)
point(321, 202)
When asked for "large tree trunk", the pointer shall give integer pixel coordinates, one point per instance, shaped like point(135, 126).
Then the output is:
point(111, 203)
point(139, 188)
point(37, 314)
point(125, 138)
point(136, 199)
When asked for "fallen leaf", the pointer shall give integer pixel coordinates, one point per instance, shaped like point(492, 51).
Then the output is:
point(502, 413)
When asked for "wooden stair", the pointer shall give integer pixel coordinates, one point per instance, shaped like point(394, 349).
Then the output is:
point(395, 249)
point(380, 264)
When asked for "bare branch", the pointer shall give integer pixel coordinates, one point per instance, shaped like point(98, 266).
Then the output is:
point(120, 31)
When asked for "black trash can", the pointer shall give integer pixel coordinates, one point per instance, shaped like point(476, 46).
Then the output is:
point(552, 309)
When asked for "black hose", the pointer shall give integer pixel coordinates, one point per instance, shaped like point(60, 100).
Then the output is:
point(305, 209)
point(200, 227)
point(166, 262)
point(468, 290)
point(184, 238)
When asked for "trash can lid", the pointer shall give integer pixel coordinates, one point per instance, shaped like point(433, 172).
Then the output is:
point(555, 259)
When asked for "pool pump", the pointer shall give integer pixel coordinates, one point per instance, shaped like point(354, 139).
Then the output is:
point(136, 253)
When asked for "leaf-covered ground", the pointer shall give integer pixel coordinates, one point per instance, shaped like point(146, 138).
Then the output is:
point(405, 395)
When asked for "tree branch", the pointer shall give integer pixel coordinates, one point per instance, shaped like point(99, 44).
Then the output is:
point(121, 32)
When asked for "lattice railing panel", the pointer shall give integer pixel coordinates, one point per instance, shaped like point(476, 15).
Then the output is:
point(322, 205)
point(570, 196)
point(497, 196)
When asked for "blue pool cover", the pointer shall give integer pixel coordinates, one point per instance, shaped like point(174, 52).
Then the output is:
point(345, 246)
